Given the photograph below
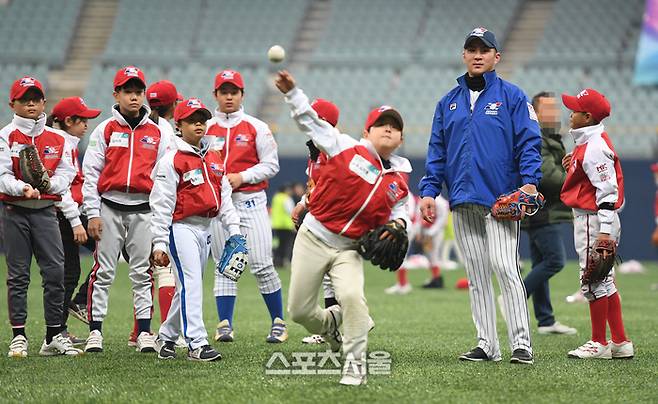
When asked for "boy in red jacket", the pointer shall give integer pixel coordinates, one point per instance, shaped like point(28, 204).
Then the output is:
point(594, 188)
point(360, 189)
point(117, 169)
point(30, 219)
point(189, 191)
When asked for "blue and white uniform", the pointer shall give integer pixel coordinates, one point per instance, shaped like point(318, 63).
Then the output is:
point(484, 144)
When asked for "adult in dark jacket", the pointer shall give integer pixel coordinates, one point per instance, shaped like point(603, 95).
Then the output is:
point(546, 244)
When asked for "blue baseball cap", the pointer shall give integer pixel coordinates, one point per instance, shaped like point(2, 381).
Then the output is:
point(484, 35)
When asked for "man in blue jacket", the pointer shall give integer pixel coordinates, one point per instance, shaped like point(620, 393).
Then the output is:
point(485, 142)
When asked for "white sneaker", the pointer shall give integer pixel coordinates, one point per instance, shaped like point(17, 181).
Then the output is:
point(591, 350)
point(94, 342)
point(145, 342)
point(557, 328)
point(398, 289)
point(18, 347)
point(622, 351)
point(313, 339)
point(60, 345)
point(333, 337)
point(354, 375)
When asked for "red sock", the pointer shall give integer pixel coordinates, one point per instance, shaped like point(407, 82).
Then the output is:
point(135, 326)
point(165, 295)
point(598, 311)
point(615, 321)
point(436, 271)
point(402, 276)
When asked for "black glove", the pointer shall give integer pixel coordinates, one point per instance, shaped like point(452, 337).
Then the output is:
point(313, 151)
point(388, 252)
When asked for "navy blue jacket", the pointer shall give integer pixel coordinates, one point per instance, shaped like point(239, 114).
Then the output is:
point(486, 153)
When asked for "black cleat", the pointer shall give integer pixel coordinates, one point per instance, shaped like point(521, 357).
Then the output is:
point(434, 283)
point(204, 353)
point(522, 356)
point(476, 354)
point(167, 349)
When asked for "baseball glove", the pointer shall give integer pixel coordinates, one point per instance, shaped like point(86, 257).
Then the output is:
point(513, 205)
point(389, 252)
point(234, 258)
point(32, 169)
point(600, 261)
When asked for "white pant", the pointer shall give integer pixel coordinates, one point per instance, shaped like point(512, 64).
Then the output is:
point(491, 246)
point(134, 231)
point(255, 225)
point(585, 231)
point(188, 249)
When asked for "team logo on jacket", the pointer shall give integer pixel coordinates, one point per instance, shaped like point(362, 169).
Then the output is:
point(394, 191)
point(149, 142)
point(453, 106)
point(492, 108)
point(217, 169)
point(50, 152)
point(242, 139)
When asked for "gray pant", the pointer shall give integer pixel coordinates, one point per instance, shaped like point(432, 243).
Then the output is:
point(28, 231)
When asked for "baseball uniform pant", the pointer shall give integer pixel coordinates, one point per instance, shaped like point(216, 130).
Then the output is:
point(311, 260)
point(188, 249)
point(548, 258)
point(585, 231)
point(490, 246)
point(132, 230)
point(29, 231)
point(256, 227)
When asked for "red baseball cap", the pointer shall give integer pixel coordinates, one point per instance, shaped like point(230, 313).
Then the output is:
point(229, 76)
point(20, 87)
point(588, 100)
point(179, 97)
point(383, 111)
point(654, 167)
point(161, 93)
point(326, 110)
point(188, 107)
point(128, 73)
point(73, 106)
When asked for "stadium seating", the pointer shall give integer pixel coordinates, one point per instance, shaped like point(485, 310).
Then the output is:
point(36, 31)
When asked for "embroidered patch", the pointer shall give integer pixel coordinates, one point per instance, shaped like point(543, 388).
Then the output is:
point(492, 108)
point(16, 149)
point(531, 113)
point(453, 106)
point(119, 139)
point(195, 177)
point(50, 152)
point(364, 169)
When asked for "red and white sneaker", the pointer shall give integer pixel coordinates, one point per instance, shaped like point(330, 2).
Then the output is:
point(623, 350)
point(591, 350)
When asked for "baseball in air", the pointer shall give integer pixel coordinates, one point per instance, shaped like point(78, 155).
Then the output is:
point(276, 54)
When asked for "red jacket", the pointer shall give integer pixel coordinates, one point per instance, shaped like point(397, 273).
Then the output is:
point(247, 146)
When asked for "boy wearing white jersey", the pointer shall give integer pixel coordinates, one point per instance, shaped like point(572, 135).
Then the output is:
point(189, 190)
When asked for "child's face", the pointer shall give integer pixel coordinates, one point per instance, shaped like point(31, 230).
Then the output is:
point(130, 99)
point(30, 106)
point(580, 119)
point(192, 128)
point(229, 98)
point(76, 126)
point(385, 135)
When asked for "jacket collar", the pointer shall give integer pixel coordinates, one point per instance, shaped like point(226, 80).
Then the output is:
point(229, 120)
point(584, 134)
point(117, 115)
point(30, 127)
point(398, 163)
point(185, 147)
point(489, 79)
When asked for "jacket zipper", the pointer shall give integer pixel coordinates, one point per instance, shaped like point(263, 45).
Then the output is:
point(130, 161)
point(374, 188)
point(205, 170)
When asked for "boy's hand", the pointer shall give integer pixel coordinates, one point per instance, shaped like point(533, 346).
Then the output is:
point(284, 81)
point(79, 234)
point(566, 161)
point(95, 228)
point(296, 212)
point(235, 179)
point(31, 193)
point(159, 258)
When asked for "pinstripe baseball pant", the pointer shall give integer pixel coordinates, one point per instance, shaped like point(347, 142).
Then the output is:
point(255, 225)
point(491, 246)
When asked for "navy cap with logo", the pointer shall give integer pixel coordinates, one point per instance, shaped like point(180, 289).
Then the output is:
point(486, 36)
